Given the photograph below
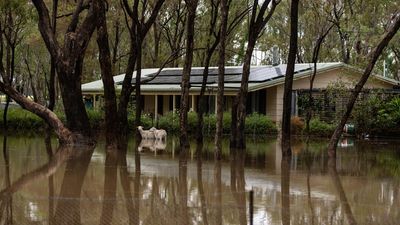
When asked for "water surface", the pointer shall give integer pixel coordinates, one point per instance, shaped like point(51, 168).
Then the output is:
point(43, 184)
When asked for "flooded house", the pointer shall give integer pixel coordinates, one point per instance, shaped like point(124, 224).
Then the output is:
point(161, 92)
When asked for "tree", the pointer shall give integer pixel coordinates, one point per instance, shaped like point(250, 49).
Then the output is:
point(257, 22)
point(69, 60)
point(106, 74)
point(191, 7)
point(224, 7)
point(323, 27)
point(394, 26)
point(138, 29)
point(287, 92)
point(211, 46)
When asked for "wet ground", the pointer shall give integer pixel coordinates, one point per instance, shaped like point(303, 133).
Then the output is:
point(42, 184)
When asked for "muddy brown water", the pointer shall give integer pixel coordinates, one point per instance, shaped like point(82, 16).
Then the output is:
point(43, 184)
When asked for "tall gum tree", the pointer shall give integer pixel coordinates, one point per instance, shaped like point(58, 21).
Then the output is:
point(224, 8)
point(394, 25)
point(187, 67)
point(69, 59)
point(287, 92)
point(139, 22)
point(260, 15)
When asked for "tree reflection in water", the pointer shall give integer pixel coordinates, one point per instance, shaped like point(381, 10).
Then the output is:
point(285, 190)
point(49, 151)
point(203, 205)
point(183, 214)
point(238, 183)
point(110, 186)
point(69, 200)
point(340, 192)
point(6, 206)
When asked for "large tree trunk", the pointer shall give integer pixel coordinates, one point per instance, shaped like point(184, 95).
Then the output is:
point(69, 60)
point(221, 73)
point(184, 108)
point(287, 94)
point(107, 76)
point(374, 55)
point(74, 108)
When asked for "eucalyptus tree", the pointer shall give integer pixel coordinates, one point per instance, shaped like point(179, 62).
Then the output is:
point(260, 15)
point(287, 91)
point(139, 20)
point(224, 8)
point(69, 58)
point(392, 27)
point(187, 67)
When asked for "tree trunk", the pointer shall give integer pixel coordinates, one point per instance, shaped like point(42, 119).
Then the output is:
point(221, 73)
point(374, 55)
point(74, 108)
point(239, 107)
point(184, 108)
point(201, 105)
point(126, 93)
point(52, 79)
point(138, 95)
point(107, 76)
point(287, 94)
point(315, 57)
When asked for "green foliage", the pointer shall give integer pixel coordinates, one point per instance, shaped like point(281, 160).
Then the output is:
point(170, 121)
point(19, 119)
point(22, 119)
point(321, 128)
point(389, 114)
point(259, 124)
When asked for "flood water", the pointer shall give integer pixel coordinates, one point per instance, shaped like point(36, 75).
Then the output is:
point(43, 184)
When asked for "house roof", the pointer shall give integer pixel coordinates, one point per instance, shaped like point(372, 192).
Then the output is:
point(169, 79)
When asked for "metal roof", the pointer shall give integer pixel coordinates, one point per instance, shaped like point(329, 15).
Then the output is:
point(169, 79)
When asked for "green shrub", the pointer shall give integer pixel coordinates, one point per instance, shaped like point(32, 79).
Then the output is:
point(321, 128)
point(21, 119)
point(255, 123)
point(259, 124)
point(170, 122)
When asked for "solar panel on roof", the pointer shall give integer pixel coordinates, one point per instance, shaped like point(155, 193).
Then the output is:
point(232, 75)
